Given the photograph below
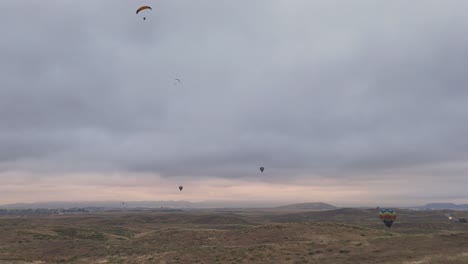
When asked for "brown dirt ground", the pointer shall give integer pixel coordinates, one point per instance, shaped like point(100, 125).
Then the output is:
point(327, 237)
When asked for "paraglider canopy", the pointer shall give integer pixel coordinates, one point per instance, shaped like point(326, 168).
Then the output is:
point(262, 169)
point(388, 216)
point(143, 8)
point(181, 187)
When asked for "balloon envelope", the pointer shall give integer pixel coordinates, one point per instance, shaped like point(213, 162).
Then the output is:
point(181, 187)
point(262, 169)
point(388, 216)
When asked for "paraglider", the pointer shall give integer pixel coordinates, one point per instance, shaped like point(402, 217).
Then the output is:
point(262, 169)
point(178, 80)
point(181, 187)
point(388, 216)
point(143, 8)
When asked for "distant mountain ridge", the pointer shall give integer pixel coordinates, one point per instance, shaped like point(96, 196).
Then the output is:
point(445, 206)
point(308, 206)
point(102, 204)
point(317, 206)
point(143, 204)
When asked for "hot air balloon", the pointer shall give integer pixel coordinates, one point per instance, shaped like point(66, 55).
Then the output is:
point(181, 187)
point(143, 8)
point(388, 216)
point(262, 169)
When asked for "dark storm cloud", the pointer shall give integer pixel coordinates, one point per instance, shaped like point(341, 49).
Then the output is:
point(304, 87)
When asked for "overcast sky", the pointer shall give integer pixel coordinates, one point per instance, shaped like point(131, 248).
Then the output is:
point(361, 102)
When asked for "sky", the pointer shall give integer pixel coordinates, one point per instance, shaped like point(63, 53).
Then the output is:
point(352, 103)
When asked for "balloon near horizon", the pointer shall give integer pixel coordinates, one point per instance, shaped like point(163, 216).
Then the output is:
point(388, 216)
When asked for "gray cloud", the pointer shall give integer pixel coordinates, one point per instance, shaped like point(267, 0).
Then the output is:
point(303, 88)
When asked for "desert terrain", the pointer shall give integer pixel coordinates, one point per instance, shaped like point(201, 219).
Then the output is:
point(281, 235)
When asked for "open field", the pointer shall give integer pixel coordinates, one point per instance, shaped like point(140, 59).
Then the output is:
point(235, 236)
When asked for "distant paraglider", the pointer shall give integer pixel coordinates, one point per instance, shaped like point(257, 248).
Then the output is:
point(181, 187)
point(262, 169)
point(388, 216)
point(143, 8)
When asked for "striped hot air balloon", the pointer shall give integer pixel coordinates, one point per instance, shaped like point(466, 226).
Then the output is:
point(388, 216)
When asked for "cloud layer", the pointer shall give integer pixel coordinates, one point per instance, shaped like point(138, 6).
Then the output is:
point(353, 93)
